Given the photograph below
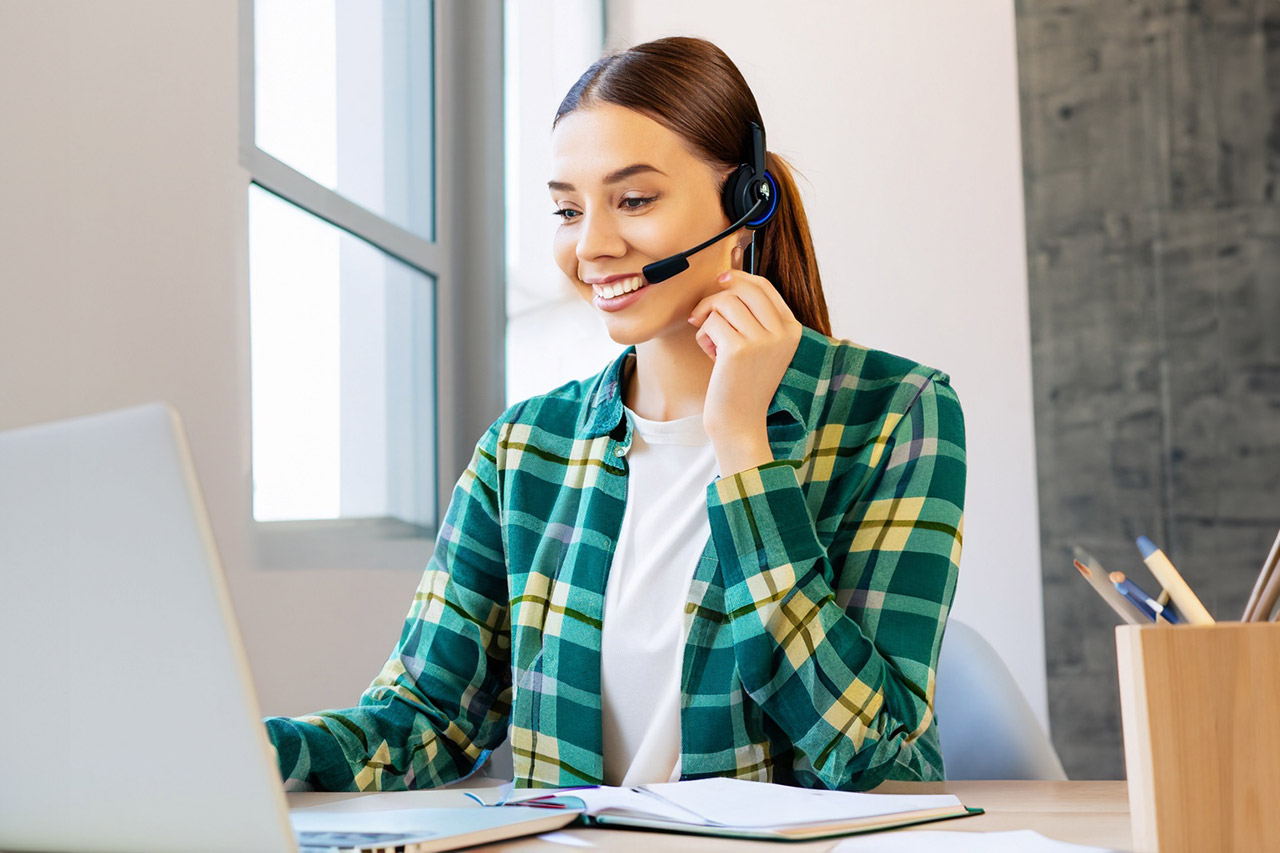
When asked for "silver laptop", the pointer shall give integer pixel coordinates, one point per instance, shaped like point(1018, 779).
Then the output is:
point(128, 718)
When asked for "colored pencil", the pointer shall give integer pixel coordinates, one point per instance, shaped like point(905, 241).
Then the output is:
point(1254, 610)
point(1267, 600)
point(1183, 598)
point(1092, 571)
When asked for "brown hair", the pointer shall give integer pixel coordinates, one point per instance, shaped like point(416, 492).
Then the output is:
point(693, 89)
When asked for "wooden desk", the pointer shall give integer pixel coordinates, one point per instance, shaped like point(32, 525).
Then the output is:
point(1093, 813)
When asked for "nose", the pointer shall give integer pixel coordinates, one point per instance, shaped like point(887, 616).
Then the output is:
point(599, 237)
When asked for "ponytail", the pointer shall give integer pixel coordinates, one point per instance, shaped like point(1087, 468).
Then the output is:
point(786, 253)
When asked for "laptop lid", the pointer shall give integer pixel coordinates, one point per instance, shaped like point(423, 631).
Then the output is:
point(129, 718)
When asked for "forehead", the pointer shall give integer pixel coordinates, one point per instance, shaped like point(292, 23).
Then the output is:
point(589, 143)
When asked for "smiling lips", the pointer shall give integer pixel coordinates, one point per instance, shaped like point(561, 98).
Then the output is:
point(619, 286)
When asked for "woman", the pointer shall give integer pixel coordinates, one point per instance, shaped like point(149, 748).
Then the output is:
point(730, 553)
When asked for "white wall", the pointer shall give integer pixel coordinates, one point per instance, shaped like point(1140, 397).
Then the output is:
point(548, 45)
point(123, 278)
point(903, 118)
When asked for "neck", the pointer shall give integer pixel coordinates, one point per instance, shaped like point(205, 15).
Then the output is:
point(670, 378)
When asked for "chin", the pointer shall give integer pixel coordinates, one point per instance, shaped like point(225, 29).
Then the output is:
point(634, 333)
point(626, 334)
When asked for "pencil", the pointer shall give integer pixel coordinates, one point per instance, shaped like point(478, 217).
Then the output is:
point(1268, 569)
point(1185, 600)
point(1092, 571)
point(1267, 600)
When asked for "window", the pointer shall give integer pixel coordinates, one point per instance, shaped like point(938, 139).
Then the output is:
point(548, 46)
point(364, 347)
point(341, 366)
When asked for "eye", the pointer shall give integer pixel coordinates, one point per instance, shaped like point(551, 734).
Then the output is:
point(637, 202)
point(566, 214)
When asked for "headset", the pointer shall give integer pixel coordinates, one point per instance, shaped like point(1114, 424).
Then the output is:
point(750, 200)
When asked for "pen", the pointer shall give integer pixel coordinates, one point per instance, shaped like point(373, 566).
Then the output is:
point(1138, 596)
point(540, 802)
point(535, 804)
point(1185, 600)
point(1138, 603)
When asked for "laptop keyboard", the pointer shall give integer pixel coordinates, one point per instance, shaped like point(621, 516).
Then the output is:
point(360, 842)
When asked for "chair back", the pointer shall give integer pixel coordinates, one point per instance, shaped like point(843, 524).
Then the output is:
point(987, 727)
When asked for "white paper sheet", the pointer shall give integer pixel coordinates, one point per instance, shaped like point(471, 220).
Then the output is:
point(1019, 841)
point(734, 802)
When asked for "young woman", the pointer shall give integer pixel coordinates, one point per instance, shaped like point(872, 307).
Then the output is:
point(731, 553)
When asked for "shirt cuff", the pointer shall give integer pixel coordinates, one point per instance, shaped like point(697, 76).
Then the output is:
point(761, 513)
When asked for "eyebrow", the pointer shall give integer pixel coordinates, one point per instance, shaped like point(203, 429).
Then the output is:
point(613, 177)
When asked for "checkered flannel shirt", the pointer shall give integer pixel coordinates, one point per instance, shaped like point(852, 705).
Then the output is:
point(812, 624)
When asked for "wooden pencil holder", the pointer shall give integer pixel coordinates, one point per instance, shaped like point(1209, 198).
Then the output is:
point(1201, 710)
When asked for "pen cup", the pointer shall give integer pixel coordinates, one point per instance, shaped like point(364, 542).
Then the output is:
point(1201, 711)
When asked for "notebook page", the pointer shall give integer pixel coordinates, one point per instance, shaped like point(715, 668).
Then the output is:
point(760, 805)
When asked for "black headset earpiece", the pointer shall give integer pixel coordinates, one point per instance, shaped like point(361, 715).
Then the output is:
point(750, 199)
point(750, 184)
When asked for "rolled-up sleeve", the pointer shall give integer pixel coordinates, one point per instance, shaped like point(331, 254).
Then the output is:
point(443, 699)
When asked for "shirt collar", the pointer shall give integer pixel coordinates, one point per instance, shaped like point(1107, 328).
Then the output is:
point(809, 370)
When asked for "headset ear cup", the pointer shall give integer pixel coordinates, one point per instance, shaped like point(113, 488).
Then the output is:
point(736, 198)
point(772, 186)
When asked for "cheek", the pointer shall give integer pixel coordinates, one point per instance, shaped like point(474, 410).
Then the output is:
point(656, 237)
point(564, 249)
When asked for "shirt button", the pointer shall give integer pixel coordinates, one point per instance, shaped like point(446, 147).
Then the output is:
point(621, 451)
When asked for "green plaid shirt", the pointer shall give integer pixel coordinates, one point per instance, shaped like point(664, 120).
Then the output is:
point(812, 624)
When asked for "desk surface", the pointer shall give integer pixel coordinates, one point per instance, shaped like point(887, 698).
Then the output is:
point(1093, 813)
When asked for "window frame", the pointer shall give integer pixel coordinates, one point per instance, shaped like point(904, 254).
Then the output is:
point(466, 261)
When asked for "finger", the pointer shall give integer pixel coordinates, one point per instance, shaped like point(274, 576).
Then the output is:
point(740, 316)
point(764, 313)
point(715, 330)
point(708, 346)
point(733, 280)
point(720, 332)
point(766, 287)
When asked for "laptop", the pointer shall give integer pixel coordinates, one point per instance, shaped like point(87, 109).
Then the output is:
point(128, 714)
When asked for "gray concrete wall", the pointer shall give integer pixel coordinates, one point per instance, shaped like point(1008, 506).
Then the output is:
point(1151, 150)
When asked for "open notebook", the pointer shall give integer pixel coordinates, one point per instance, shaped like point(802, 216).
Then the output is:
point(741, 809)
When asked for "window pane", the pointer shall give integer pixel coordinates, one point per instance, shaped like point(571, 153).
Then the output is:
point(546, 45)
point(342, 371)
point(343, 93)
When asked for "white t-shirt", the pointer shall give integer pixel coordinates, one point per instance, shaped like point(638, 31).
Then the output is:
point(664, 530)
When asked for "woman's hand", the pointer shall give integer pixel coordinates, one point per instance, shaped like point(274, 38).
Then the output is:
point(751, 335)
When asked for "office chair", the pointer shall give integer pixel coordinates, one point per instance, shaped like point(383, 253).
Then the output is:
point(987, 728)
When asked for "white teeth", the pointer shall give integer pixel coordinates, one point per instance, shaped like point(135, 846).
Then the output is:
point(617, 288)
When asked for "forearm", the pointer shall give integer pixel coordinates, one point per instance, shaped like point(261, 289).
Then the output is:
point(393, 740)
point(856, 714)
point(443, 698)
